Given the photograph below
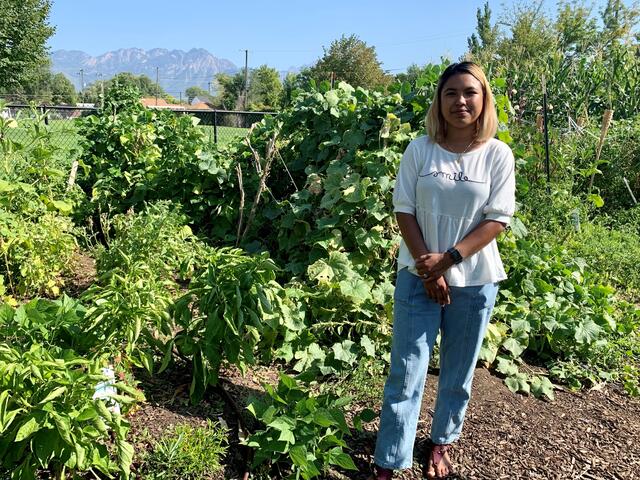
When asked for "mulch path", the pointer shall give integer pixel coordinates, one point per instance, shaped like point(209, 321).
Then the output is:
point(592, 435)
point(589, 435)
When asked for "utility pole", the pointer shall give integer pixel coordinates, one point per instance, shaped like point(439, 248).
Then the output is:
point(82, 84)
point(246, 78)
point(101, 91)
point(157, 84)
point(209, 87)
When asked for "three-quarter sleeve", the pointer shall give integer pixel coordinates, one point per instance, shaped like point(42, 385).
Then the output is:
point(404, 192)
point(502, 196)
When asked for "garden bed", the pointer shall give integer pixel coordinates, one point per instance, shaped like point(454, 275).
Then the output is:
point(592, 434)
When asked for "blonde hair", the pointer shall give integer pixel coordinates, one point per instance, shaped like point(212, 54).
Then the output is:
point(487, 123)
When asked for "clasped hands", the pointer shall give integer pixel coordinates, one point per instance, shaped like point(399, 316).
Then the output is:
point(431, 267)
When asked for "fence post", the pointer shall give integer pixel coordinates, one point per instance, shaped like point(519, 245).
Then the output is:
point(43, 112)
point(546, 135)
point(215, 126)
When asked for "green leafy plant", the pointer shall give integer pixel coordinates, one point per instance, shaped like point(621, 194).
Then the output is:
point(159, 236)
point(551, 308)
point(232, 308)
point(133, 154)
point(127, 308)
point(50, 420)
point(187, 452)
point(303, 432)
point(35, 254)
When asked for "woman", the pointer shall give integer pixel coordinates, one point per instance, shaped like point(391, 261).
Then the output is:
point(454, 194)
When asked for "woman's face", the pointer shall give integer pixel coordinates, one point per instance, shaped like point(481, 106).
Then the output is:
point(461, 101)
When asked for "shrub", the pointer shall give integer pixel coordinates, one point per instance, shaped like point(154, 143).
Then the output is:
point(35, 254)
point(49, 418)
point(158, 236)
point(230, 310)
point(187, 453)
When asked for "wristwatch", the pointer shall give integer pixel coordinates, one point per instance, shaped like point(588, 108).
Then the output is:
point(455, 255)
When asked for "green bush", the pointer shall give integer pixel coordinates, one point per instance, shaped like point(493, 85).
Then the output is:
point(35, 255)
point(612, 254)
point(158, 236)
point(232, 312)
point(49, 419)
point(139, 154)
point(552, 308)
point(127, 309)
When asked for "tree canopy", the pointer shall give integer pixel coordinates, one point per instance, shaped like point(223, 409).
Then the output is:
point(264, 92)
point(265, 88)
point(142, 83)
point(23, 35)
point(351, 60)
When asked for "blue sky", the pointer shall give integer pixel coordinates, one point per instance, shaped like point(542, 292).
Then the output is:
point(279, 33)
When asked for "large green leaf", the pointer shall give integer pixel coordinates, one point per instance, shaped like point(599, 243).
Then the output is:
point(587, 331)
point(31, 426)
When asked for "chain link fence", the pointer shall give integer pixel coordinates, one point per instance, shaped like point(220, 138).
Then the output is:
point(220, 126)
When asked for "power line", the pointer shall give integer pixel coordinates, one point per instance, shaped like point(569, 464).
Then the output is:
point(424, 39)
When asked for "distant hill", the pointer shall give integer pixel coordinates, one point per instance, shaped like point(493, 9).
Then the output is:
point(178, 69)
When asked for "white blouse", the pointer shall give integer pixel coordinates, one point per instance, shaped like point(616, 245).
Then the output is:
point(449, 199)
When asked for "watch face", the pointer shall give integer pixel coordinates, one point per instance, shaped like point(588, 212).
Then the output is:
point(455, 255)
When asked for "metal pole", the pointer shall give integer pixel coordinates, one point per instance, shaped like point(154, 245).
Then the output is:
point(82, 84)
point(546, 135)
point(246, 77)
point(101, 91)
point(626, 182)
point(157, 84)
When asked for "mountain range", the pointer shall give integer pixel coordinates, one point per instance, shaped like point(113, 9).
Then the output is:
point(176, 69)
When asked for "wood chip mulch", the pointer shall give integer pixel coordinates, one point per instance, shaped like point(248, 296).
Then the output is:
point(592, 435)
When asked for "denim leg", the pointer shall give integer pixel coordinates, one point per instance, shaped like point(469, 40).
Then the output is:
point(464, 324)
point(415, 328)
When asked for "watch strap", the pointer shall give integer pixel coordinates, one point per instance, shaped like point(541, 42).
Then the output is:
point(455, 255)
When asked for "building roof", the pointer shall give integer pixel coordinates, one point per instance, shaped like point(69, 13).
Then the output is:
point(200, 106)
point(152, 102)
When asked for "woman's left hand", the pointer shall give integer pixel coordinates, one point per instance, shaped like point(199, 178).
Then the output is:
point(431, 266)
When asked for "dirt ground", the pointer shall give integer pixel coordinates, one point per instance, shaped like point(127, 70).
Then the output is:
point(591, 435)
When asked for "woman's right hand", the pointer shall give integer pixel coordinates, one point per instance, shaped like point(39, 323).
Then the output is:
point(437, 290)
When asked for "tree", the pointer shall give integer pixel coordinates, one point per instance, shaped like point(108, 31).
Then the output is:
point(577, 30)
point(291, 86)
point(265, 88)
point(62, 90)
point(351, 60)
point(23, 35)
point(230, 89)
point(487, 34)
point(195, 91)
point(141, 83)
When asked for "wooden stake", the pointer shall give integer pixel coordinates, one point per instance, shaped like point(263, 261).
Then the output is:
point(606, 123)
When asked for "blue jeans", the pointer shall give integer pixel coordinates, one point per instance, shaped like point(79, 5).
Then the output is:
point(417, 321)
